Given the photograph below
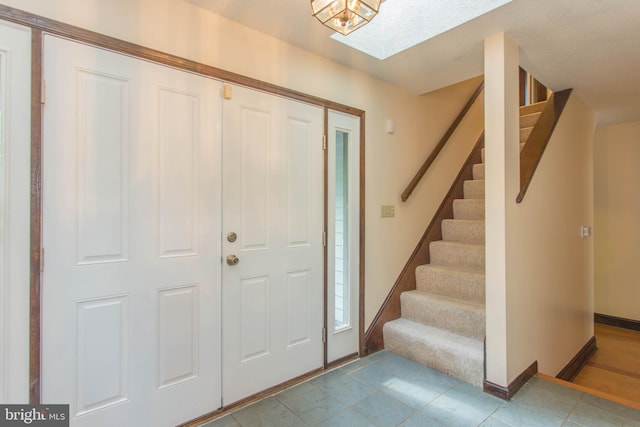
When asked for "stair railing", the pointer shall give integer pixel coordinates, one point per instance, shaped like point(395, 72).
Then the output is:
point(447, 135)
point(540, 135)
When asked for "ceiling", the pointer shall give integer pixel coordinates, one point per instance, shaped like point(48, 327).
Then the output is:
point(592, 46)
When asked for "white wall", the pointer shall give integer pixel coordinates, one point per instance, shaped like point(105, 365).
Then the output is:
point(15, 83)
point(501, 184)
point(180, 28)
point(617, 209)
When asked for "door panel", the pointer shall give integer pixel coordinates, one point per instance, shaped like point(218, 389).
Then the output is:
point(15, 193)
point(272, 189)
point(343, 241)
point(131, 202)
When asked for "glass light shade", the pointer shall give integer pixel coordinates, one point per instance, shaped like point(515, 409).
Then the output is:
point(345, 16)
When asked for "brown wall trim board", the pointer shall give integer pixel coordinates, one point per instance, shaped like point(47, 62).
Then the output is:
point(569, 372)
point(406, 281)
point(506, 393)
point(325, 230)
point(35, 217)
point(71, 32)
point(618, 322)
point(362, 235)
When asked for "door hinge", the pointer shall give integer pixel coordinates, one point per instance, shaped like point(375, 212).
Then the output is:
point(324, 142)
point(41, 260)
point(43, 92)
point(227, 91)
point(324, 335)
point(324, 239)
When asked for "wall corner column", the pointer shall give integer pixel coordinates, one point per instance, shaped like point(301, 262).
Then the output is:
point(502, 175)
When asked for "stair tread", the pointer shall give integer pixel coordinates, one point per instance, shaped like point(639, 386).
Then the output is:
point(452, 243)
point(464, 221)
point(428, 333)
point(458, 268)
point(444, 299)
point(453, 269)
point(457, 355)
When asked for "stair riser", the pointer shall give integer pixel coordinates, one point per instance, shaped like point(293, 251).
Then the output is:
point(456, 318)
point(532, 108)
point(463, 231)
point(468, 209)
point(469, 257)
point(524, 134)
point(452, 283)
point(478, 171)
point(529, 120)
point(443, 359)
point(473, 189)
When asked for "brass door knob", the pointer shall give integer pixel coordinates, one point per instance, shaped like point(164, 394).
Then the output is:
point(233, 260)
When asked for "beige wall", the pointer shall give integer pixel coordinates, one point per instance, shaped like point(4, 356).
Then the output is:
point(539, 269)
point(550, 303)
point(617, 210)
point(182, 29)
point(501, 170)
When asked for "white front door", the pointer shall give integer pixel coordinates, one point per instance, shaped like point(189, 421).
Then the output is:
point(131, 226)
point(273, 205)
point(343, 248)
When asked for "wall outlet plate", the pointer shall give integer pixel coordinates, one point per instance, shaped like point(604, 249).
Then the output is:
point(387, 211)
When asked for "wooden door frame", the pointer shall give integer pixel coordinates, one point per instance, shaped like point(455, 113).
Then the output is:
point(40, 26)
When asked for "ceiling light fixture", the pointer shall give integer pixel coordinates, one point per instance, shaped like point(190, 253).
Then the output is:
point(345, 16)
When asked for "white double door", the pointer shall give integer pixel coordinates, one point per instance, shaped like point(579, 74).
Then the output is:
point(143, 323)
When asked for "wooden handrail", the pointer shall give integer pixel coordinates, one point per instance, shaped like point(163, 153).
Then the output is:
point(540, 135)
point(427, 163)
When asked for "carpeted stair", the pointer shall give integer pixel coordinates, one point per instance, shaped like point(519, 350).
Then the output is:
point(443, 320)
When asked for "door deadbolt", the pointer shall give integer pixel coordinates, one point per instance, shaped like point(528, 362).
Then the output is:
point(232, 237)
point(233, 260)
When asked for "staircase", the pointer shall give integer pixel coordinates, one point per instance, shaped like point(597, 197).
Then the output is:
point(443, 320)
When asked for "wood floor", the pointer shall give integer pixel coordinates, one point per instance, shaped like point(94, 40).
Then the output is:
point(615, 368)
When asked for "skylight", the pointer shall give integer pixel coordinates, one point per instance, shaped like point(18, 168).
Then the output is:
point(401, 24)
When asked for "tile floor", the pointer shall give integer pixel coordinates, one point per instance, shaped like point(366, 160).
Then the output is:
point(388, 390)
